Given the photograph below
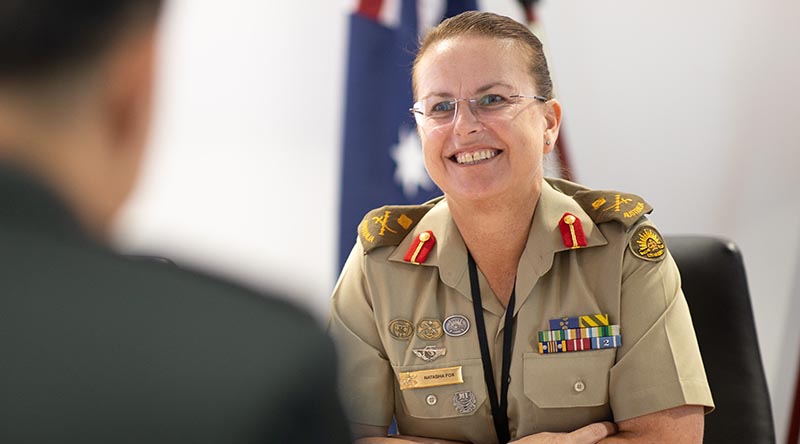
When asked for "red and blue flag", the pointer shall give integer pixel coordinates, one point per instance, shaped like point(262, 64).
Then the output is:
point(382, 157)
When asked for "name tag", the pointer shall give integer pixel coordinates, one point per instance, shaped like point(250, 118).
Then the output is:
point(430, 378)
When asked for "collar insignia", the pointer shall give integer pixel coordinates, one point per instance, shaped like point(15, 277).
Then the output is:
point(422, 245)
point(571, 231)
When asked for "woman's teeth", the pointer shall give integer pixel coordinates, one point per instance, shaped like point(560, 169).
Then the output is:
point(474, 157)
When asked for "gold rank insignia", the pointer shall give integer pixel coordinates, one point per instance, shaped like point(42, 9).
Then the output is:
point(389, 225)
point(605, 206)
point(647, 243)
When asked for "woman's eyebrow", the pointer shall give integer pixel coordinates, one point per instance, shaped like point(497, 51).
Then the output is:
point(489, 86)
point(482, 89)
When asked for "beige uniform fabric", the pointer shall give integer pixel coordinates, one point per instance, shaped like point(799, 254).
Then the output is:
point(658, 366)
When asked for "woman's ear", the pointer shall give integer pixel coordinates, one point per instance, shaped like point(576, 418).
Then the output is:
point(552, 117)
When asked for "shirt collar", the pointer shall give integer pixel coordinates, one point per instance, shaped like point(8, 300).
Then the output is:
point(449, 253)
point(544, 241)
point(544, 238)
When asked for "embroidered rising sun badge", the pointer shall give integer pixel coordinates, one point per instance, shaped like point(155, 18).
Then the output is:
point(648, 244)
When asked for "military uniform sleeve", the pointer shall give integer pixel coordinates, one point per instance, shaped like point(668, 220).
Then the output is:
point(365, 379)
point(659, 366)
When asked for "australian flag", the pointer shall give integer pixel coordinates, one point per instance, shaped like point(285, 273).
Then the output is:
point(382, 162)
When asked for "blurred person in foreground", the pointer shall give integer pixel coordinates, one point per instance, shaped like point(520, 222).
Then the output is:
point(516, 307)
point(95, 347)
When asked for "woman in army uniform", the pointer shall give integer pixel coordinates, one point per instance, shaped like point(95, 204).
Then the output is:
point(514, 308)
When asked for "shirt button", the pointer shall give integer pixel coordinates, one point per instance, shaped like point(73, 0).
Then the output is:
point(579, 386)
point(431, 400)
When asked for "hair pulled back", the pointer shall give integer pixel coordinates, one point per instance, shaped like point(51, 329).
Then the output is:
point(487, 24)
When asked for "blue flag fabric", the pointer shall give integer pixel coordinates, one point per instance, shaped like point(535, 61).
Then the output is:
point(382, 157)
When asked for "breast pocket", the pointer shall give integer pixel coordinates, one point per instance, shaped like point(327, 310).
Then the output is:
point(565, 380)
point(423, 398)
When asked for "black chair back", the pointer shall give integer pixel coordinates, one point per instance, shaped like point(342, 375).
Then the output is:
point(715, 285)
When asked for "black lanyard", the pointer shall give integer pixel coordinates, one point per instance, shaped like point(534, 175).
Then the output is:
point(499, 409)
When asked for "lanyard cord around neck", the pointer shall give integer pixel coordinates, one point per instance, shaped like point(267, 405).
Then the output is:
point(499, 409)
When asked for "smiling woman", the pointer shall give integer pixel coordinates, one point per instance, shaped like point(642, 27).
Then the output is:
point(504, 127)
point(497, 311)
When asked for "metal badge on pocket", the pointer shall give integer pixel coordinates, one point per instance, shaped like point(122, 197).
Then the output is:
point(465, 402)
point(430, 353)
point(456, 325)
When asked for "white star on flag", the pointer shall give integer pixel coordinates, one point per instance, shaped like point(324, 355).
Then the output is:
point(410, 172)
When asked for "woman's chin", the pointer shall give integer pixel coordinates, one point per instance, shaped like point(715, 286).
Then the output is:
point(478, 194)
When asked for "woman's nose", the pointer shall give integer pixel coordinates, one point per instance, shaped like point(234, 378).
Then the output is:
point(465, 119)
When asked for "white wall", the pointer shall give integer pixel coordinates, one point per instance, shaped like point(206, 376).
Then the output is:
point(242, 174)
point(691, 104)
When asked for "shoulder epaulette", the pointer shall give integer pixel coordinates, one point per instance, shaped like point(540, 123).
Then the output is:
point(605, 206)
point(389, 225)
point(565, 186)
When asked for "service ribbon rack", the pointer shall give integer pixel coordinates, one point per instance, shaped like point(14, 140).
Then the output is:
point(579, 333)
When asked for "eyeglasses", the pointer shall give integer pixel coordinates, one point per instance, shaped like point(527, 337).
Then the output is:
point(434, 112)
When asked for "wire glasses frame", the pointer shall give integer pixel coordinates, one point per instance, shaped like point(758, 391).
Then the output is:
point(443, 112)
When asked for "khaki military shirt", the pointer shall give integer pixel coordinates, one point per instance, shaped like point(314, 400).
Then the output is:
point(379, 295)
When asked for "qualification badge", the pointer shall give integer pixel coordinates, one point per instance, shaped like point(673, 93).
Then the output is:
point(429, 329)
point(456, 325)
point(430, 353)
point(401, 329)
point(465, 402)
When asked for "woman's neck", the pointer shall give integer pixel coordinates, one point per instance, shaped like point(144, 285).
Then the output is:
point(496, 234)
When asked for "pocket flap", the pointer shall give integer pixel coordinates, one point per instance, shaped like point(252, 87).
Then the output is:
point(562, 380)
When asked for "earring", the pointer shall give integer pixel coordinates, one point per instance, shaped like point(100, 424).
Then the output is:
point(547, 142)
